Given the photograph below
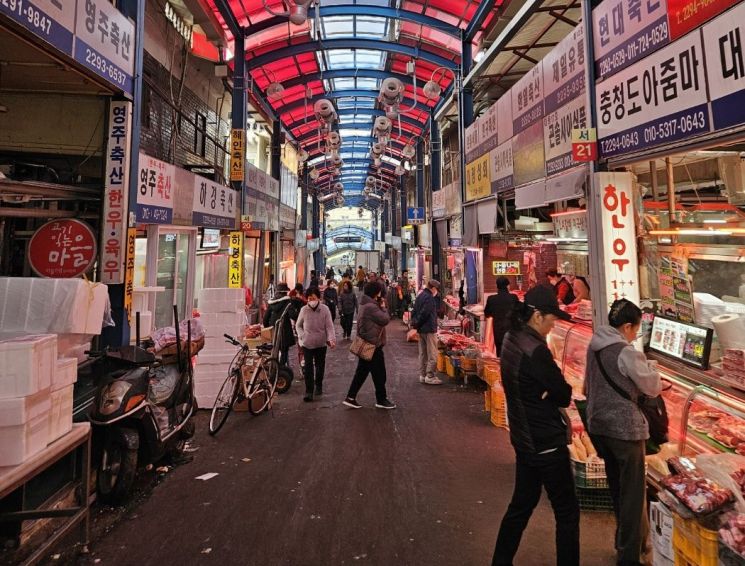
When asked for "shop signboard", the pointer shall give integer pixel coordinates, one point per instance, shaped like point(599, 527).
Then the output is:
point(438, 203)
point(725, 67)
point(286, 216)
point(213, 205)
point(505, 267)
point(129, 273)
point(528, 157)
point(488, 126)
point(453, 203)
point(246, 223)
point(687, 15)
point(155, 189)
point(557, 135)
point(504, 124)
point(564, 70)
point(51, 20)
point(659, 100)
point(618, 236)
point(626, 31)
point(116, 193)
point(235, 263)
point(500, 163)
point(237, 154)
point(527, 99)
point(104, 42)
point(584, 144)
point(62, 249)
point(570, 225)
point(478, 179)
point(473, 140)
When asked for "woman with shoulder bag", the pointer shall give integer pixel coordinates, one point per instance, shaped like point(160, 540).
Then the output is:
point(372, 318)
point(618, 377)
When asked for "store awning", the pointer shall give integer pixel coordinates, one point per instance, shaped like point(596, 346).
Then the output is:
point(532, 195)
point(487, 214)
point(567, 186)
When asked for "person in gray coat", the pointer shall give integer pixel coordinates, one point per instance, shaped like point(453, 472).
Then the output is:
point(315, 333)
point(617, 426)
point(372, 318)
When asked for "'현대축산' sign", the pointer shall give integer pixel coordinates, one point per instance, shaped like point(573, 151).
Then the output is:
point(626, 31)
point(724, 38)
point(660, 99)
point(155, 188)
point(51, 20)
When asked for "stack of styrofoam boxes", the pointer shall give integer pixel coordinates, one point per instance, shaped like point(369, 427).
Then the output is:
point(221, 311)
point(36, 396)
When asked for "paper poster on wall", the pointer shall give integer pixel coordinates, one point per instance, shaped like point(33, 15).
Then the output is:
point(676, 293)
point(438, 203)
point(660, 99)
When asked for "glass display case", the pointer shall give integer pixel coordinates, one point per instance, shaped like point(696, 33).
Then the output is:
point(569, 342)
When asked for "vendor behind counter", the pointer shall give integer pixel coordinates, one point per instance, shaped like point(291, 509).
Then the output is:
point(499, 307)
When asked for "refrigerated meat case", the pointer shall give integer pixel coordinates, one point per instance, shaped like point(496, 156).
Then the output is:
point(695, 399)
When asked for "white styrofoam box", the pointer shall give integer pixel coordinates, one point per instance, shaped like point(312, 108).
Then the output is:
point(231, 305)
point(210, 319)
point(27, 363)
point(146, 325)
point(66, 373)
point(219, 294)
point(60, 306)
point(218, 331)
point(24, 427)
point(659, 560)
point(73, 346)
point(661, 530)
point(60, 414)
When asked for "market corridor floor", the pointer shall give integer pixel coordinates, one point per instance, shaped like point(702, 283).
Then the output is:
point(318, 484)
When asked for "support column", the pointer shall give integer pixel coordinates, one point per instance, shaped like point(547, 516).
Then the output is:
point(304, 199)
point(435, 164)
point(316, 227)
point(404, 221)
point(465, 110)
point(276, 165)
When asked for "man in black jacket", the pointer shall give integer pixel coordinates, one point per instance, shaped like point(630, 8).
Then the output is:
point(424, 321)
point(536, 391)
point(499, 307)
point(275, 309)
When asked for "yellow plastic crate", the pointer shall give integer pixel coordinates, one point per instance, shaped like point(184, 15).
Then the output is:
point(498, 407)
point(468, 364)
point(492, 375)
point(487, 401)
point(441, 362)
point(693, 544)
point(451, 366)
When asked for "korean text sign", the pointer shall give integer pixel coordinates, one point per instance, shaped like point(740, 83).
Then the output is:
point(658, 100)
point(155, 191)
point(557, 134)
point(62, 249)
point(527, 99)
point(51, 20)
point(619, 236)
point(237, 154)
point(571, 224)
point(129, 274)
point(235, 265)
point(478, 178)
point(116, 193)
point(564, 70)
point(214, 205)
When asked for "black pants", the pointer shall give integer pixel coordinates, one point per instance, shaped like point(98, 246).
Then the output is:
point(533, 472)
point(624, 466)
point(347, 320)
point(376, 366)
point(284, 356)
point(332, 308)
point(314, 368)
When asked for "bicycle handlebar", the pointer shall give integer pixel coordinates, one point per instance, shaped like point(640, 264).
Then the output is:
point(232, 340)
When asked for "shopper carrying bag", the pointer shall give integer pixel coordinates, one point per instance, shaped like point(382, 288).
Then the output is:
point(536, 391)
point(368, 345)
point(315, 332)
point(619, 382)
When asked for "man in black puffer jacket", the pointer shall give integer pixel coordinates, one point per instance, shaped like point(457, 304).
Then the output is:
point(535, 391)
point(424, 321)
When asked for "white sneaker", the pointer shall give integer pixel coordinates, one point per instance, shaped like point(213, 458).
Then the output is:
point(434, 380)
point(422, 379)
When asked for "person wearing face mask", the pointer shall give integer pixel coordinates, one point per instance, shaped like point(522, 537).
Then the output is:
point(617, 425)
point(536, 391)
point(315, 331)
point(424, 321)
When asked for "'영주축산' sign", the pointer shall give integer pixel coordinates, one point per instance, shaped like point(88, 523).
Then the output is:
point(619, 236)
point(155, 190)
point(116, 193)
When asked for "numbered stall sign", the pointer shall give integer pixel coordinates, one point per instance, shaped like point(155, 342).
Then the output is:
point(584, 144)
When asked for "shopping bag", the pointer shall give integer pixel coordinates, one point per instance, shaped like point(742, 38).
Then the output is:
point(362, 348)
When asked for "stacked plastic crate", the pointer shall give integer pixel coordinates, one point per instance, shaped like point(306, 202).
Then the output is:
point(222, 311)
point(36, 396)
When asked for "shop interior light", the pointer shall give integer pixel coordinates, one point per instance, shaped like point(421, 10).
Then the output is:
point(715, 221)
point(557, 240)
point(697, 232)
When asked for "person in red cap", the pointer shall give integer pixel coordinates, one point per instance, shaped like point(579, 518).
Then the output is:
point(536, 391)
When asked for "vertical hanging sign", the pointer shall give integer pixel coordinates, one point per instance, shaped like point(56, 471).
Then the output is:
point(235, 270)
point(116, 193)
point(619, 236)
point(237, 154)
point(129, 273)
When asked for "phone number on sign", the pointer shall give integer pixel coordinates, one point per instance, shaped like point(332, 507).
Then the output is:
point(107, 69)
point(671, 128)
point(619, 142)
point(34, 16)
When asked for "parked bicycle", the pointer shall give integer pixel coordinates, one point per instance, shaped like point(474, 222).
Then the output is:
point(258, 389)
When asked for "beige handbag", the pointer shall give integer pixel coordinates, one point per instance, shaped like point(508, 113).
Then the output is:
point(363, 349)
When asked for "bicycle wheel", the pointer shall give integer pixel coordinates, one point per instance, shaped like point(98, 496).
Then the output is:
point(259, 391)
point(224, 401)
point(273, 369)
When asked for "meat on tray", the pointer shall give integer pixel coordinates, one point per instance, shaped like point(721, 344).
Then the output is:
point(699, 494)
point(729, 431)
point(732, 533)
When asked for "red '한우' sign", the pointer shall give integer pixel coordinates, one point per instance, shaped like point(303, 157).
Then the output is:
point(62, 248)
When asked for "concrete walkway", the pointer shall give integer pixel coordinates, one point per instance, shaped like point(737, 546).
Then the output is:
point(425, 484)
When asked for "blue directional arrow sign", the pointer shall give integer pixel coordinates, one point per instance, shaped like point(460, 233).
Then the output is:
point(415, 215)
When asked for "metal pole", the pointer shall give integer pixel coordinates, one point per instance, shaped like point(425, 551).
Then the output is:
point(670, 189)
point(653, 179)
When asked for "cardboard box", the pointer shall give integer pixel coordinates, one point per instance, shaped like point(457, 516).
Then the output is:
point(661, 530)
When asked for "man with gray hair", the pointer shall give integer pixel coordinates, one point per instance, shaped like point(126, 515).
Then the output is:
point(424, 321)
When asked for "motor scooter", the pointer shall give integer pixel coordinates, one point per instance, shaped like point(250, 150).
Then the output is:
point(143, 411)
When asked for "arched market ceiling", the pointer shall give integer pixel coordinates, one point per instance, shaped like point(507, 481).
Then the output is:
point(343, 52)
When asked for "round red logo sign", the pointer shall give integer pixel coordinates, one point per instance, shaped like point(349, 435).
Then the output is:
point(62, 249)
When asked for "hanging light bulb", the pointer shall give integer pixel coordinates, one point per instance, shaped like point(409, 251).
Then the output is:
point(302, 156)
point(314, 174)
point(391, 91)
point(432, 90)
point(399, 170)
point(274, 91)
point(392, 112)
point(409, 151)
point(338, 187)
point(299, 11)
